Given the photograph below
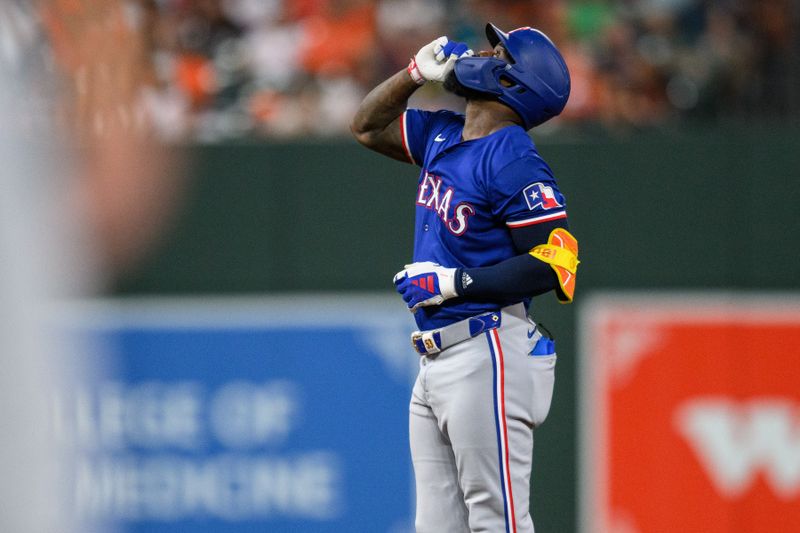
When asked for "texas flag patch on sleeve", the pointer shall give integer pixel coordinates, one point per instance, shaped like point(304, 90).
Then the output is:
point(539, 195)
point(544, 203)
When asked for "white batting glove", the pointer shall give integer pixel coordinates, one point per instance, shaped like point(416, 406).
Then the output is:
point(435, 60)
point(425, 283)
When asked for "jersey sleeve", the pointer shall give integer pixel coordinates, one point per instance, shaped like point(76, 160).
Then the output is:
point(525, 193)
point(414, 126)
point(418, 128)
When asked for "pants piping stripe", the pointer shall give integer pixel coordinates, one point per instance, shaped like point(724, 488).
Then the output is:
point(498, 367)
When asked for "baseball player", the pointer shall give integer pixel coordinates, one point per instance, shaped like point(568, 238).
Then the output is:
point(491, 232)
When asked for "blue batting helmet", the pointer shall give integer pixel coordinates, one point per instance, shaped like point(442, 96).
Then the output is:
point(535, 83)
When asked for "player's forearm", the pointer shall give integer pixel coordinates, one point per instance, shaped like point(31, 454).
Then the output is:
point(382, 105)
point(518, 277)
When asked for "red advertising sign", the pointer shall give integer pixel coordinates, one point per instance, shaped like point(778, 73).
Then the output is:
point(690, 414)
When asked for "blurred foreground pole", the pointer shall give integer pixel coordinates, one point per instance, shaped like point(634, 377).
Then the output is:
point(82, 195)
point(39, 252)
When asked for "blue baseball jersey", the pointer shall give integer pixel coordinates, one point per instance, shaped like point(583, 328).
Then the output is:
point(469, 196)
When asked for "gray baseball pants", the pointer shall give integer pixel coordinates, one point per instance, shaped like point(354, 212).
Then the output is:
point(473, 410)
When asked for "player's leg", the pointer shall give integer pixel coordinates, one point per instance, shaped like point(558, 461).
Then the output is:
point(440, 503)
point(460, 394)
point(488, 394)
point(524, 388)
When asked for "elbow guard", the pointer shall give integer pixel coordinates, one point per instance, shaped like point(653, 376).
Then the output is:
point(561, 253)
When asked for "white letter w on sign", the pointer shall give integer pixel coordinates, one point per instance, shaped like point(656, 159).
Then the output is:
point(734, 441)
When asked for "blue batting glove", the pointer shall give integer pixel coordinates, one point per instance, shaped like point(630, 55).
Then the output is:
point(426, 283)
point(453, 49)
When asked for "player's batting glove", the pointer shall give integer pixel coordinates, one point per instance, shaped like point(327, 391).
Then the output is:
point(426, 283)
point(435, 60)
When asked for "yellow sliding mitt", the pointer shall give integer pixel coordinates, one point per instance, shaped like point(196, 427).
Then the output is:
point(561, 253)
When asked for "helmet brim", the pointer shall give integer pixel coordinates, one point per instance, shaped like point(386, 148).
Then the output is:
point(495, 35)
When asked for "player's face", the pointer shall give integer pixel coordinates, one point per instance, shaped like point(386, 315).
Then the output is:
point(498, 52)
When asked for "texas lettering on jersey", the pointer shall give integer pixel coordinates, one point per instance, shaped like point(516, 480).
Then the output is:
point(431, 196)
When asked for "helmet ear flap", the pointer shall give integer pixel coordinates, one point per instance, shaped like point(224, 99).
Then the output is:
point(478, 73)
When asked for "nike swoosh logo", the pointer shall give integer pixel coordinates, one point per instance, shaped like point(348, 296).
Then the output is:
point(439, 138)
point(531, 334)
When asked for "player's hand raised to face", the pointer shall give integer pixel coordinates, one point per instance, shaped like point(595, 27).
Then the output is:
point(435, 60)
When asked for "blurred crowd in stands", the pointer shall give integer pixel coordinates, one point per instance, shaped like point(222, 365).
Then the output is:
point(292, 68)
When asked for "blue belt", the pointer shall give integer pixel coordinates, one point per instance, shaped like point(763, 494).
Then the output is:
point(434, 341)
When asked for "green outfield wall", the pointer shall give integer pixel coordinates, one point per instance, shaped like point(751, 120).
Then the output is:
point(716, 209)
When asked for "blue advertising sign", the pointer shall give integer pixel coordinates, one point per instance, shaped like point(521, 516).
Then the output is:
point(244, 416)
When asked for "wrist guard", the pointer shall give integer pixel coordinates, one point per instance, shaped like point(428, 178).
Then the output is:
point(413, 71)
